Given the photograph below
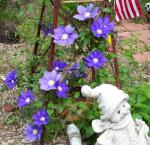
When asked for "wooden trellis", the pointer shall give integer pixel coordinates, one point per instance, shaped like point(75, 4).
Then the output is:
point(106, 3)
point(56, 14)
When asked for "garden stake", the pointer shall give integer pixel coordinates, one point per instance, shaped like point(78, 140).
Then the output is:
point(51, 54)
point(55, 23)
point(115, 61)
point(116, 74)
point(35, 49)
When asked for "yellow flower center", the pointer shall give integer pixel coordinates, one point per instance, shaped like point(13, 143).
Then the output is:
point(99, 31)
point(51, 82)
point(35, 131)
point(64, 36)
point(87, 14)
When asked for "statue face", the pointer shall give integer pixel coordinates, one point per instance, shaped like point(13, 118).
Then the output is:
point(121, 111)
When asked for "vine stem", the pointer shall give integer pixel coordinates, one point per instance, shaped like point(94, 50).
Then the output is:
point(51, 55)
point(93, 74)
point(35, 49)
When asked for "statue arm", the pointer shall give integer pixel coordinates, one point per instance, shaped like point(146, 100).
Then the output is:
point(106, 138)
point(87, 91)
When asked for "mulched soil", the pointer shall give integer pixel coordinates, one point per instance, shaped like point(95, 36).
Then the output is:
point(7, 33)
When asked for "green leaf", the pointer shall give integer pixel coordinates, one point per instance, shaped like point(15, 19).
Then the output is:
point(107, 10)
point(50, 112)
point(30, 8)
point(77, 95)
point(136, 115)
point(82, 106)
point(89, 131)
point(38, 104)
point(51, 105)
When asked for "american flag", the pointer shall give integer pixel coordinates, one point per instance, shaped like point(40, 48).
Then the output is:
point(127, 9)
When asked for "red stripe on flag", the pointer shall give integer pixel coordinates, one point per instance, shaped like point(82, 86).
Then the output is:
point(127, 9)
point(138, 7)
point(128, 13)
point(122, 11)
point(132, 8)
point(117, 12)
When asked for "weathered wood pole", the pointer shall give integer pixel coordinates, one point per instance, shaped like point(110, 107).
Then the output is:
point(115, 60)
point(51, 55)
point(116, 75)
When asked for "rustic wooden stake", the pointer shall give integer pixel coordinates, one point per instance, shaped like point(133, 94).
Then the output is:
point(51, 54)
point(116, 72)
point(35, 49)
point(115, 61)
point(55, 23)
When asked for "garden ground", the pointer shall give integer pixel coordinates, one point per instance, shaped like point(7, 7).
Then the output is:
point(131, 36)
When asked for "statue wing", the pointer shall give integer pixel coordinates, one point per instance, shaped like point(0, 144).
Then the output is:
point(100, 126)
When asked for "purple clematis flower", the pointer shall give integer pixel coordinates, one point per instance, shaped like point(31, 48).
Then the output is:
point(64, 36)
point(47, 30)
point(108, 24)
point(32, 132)
point(59, 65)
point(102, 27)
point(62, 90)
point(76, 66)
point(25, 98)
point(86, 12)
point(11, 79)
point(75, 72)
point(49, 80)
point(41, 117)
point(79, 74)
point(95, 59)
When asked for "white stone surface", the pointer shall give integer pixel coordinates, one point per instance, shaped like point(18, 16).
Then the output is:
point(74, 135)
point(116, 124)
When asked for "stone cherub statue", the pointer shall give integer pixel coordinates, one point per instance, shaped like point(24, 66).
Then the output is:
point(116, 124)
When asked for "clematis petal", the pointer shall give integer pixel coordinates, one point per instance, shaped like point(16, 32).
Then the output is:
point(81, 9)
point(79, 17)
point(90, 7)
